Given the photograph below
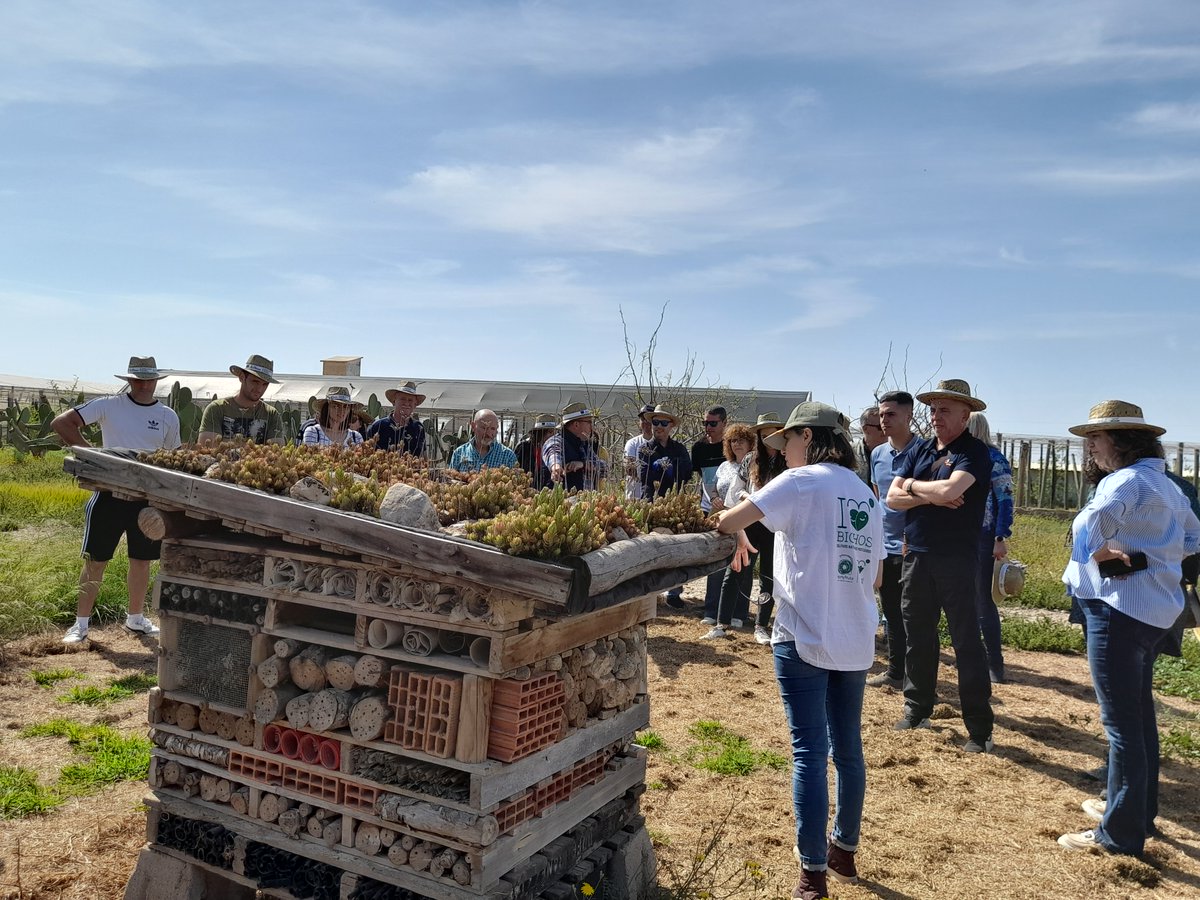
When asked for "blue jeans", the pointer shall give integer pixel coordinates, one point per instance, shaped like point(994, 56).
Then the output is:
point(989, 616)
point(712, 593)
point(824, 709)
point(1121, 652)
point(735, 595)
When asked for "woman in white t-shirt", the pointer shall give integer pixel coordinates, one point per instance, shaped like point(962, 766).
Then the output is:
point(332, 427)
point(829, 543)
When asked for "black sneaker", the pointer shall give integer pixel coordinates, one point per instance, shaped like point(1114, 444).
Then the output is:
point(672, 600)
point(907, 724)
point(883, 679)
point(841, 864)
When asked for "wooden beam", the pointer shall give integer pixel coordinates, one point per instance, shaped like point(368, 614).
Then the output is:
point(531, 646)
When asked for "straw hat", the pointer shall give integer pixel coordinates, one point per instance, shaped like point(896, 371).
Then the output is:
point(142, 368)
point(259, 366)
point(659, 413)
point(409, 387)
point(1008, 579)
point(953, 389)
point(1114, 415)
point(576, 411)
point(336, 394)
point(767, 420)
point(544, 422)
point(810, 414)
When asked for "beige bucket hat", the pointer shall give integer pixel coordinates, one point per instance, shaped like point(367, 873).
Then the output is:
point(1008, 579)
point(142, 368)
point(258, 366)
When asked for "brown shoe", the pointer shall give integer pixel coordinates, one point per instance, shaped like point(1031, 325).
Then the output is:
point(812, 886)
point(841, 864)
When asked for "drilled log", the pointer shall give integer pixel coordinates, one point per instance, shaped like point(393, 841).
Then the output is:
point(191, 783)
point(421, 856)
point(208, 720)
point(244, 732)
point(315, 825)
point(186, 716)
point(226, 726)
point(297, 710)
point(368, 717)
point(290, 822)
point(224, 790)
point(442, 863)
point(239, 801)
point(455, 824)
point(397, 855)
point(366, 839)
point(369, 671)
point(208, 788)
point(274, 671)
point(339, 671)
point(330, 710)
point(308, 668)
point(387, 837)
point(172, 772)
point(166, 712)
point(332, 835)
point(461, 871)
point(271, 805)
point(272, 703)
point(285, 648)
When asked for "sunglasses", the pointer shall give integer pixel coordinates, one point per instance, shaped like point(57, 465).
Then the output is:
point(660, 423)
point(711, 424)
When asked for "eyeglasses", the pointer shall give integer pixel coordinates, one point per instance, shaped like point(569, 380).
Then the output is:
point(708, 423)
point(660, 423)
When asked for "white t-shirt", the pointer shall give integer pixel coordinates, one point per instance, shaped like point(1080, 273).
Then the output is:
point(131, 426)
point(831, 541)
point(633, 483)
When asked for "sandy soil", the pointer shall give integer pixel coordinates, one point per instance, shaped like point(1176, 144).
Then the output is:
point(938, 823)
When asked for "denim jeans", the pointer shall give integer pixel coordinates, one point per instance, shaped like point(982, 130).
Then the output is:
point(985, 606)
point(889, 598)
point(1121, 652)
point(763, 540)
point(933, 583)
point(712, 593)
point(824, 709)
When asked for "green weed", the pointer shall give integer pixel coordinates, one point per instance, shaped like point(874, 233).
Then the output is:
point(1041, 634)
point(726, 753)
point(651, 740)
point(1038, 542)
point(38, 502)
point(1180, 676)
point(51, 677)
point(21, 794)
point(120, 689)
point(1180, 743)
point(30, 469)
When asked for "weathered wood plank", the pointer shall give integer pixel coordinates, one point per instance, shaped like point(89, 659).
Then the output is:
point(344, 531)
point(531, 646)
point(614, 563)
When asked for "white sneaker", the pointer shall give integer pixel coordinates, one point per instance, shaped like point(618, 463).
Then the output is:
point(1094, 808)
point(762, 635)
point(737, 623)
point(1083, 840)
point(708, 620)
point(75, 635)
point(716, 632)
point(141, 625)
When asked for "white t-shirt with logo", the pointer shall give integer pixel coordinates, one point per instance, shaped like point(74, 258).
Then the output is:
point(129, 425)
point(829, 528)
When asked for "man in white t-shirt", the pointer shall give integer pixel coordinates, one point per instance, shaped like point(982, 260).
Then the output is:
point(633, 448)
point(134, 421)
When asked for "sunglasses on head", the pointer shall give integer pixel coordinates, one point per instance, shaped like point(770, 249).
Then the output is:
point(660, 423)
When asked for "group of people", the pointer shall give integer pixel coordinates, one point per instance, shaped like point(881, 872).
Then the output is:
point(921, 520)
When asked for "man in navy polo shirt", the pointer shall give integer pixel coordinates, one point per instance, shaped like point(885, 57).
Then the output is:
point(398, 430)
point(943, 484)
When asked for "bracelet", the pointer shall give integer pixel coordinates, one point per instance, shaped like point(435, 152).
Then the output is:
point(908, 487)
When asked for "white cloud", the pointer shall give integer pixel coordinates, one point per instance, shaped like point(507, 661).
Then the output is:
point(748, 271)
point(1133, 175)
point(221, 193)
point(1167, 118)
point(828, 303)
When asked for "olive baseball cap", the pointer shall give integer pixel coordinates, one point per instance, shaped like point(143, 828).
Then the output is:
point(810, 414)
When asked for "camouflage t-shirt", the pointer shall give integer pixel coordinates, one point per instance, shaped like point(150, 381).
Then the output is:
point(260, 423)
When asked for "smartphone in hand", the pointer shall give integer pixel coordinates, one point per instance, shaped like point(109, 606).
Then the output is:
point(1112, 568)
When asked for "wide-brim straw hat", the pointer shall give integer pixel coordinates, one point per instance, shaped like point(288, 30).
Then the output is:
point(1115, 415)
point(810, 414)
point(259, 366)
point(544, 422)
point(409, 388)
point(767, 420)
point(659, 413)
point(576, 411)
point(953, 389)
point(1008, 579)
point(336, 394)
point(142, 368)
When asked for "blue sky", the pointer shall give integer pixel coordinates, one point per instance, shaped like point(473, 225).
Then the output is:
point(1001, 192)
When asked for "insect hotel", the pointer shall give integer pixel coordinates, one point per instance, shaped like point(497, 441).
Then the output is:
point(350, 709)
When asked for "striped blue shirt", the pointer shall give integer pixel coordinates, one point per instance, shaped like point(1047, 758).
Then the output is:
point(1135, 508)
point(467, 459)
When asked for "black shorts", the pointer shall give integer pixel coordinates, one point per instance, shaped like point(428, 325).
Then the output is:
point(106, 519)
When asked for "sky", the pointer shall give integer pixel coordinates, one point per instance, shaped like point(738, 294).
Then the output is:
point(824, 196)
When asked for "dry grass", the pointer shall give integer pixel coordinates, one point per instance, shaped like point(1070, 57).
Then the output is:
point(937, 823)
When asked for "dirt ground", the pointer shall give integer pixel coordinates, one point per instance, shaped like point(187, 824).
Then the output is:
point(938, 823)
